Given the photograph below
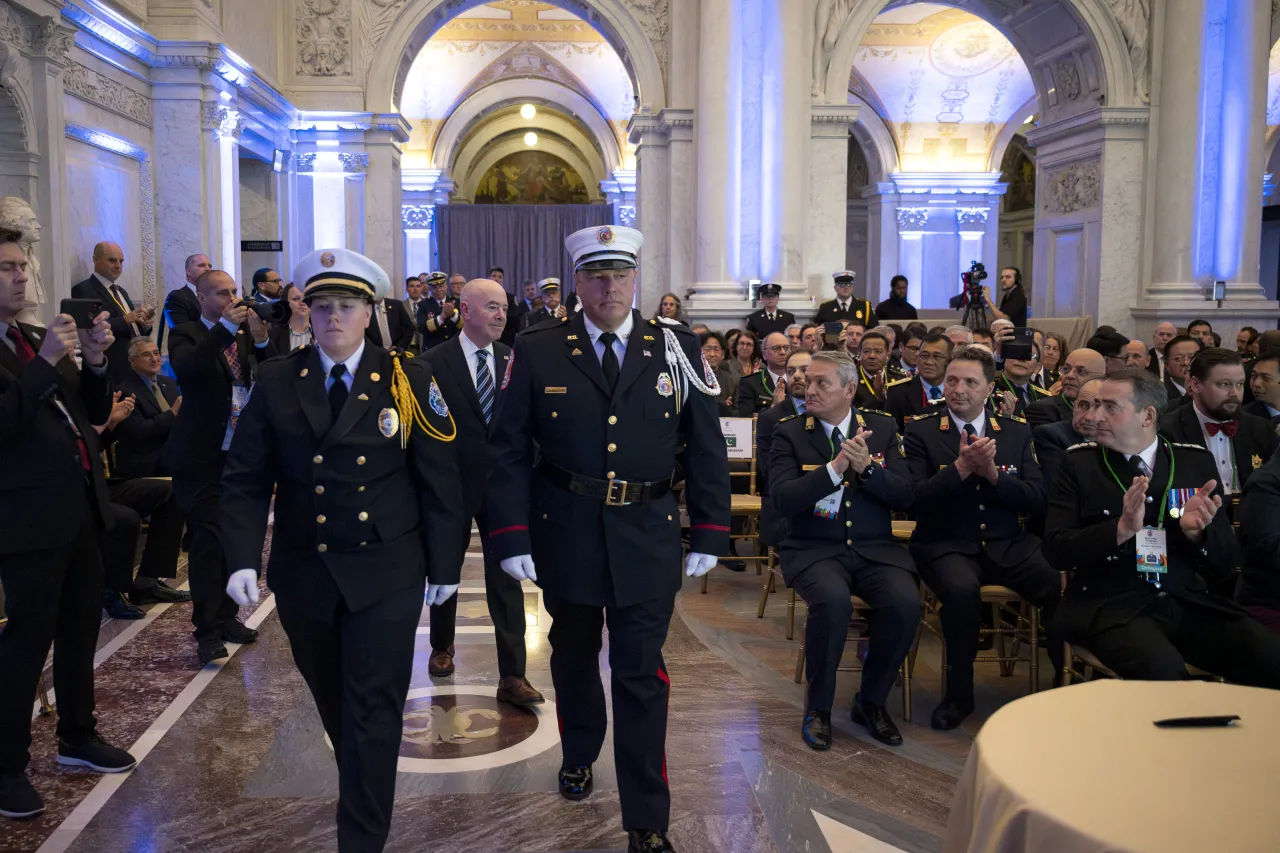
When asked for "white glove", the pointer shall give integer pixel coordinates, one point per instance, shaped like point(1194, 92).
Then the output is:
point(696, 565)
point(242, 586)
point(520, 568)
point(438, 593)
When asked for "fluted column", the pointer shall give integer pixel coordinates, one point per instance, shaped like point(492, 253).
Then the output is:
point(718, 126)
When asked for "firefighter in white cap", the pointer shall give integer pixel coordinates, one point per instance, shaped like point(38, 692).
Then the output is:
point(553, 307)
point(614, 402)
point(845, 306)
point(355, 440)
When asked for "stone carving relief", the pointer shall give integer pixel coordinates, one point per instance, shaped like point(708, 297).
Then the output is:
point(16, 214)
point(912, 218)
point(1134, 18)
point(303, 162)
point(221, 120)
point(89, 85)
point(376, 18)
point(654, 18)
point(417, 216)
point(972, 218)
point(354, 164)
point(1074, 187)
point(323, 32)
point(829, 18)
point(1067, 77)
point(627, 215)
point(53, 40)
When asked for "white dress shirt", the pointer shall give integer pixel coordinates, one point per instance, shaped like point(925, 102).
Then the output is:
point(979, 423)
point(1182, 389)
point(619, 346)
point(844, 425)
point(1220, 446)
point(352, 362)
point(469, 350)
point(1148, 456)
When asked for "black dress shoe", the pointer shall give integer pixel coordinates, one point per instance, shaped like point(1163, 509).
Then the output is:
point(879, 725)
point(118, 608)
point(18, 797)
point(648, 841)
point(950, 713)
point(576, 783)
point(235, 631)
point(158, 593)
point(816, 730)
point(96, 754)
point(211, 650)
point(734, 565)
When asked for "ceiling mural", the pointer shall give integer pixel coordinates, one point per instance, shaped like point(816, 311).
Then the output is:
point(944, 81)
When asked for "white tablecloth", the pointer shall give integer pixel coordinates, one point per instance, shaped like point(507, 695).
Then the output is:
point(1082, 769)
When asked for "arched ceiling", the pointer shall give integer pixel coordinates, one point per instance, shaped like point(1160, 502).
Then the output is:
point(944, 81)
point(516, 45)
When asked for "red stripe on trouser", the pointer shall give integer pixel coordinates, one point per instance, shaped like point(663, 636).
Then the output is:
point(494, 533)
point(667, 681)
point(709, 527)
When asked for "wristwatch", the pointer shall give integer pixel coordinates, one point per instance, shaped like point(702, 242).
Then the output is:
point(866, 472)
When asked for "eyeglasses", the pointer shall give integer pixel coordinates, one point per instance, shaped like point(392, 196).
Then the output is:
point(911, 348)
point(778, 348)
point(1069, 370)
point(146, 354)
point(925, 355)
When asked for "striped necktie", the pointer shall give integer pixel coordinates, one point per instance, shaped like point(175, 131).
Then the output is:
point(484, 384)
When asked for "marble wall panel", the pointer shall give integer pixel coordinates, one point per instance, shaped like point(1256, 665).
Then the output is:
point(252, 29)
point(258, 215)
point(103, 203)
point(180, 212)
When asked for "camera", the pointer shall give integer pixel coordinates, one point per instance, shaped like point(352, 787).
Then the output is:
point(973, 279)
point(275, 313)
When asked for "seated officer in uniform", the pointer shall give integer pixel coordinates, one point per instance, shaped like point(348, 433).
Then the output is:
point(1080, 366)
point(974, 474)
point(906, 398)
point(355, 441)
point(758, 391)
point(835, 474)
point(1139, 519)
point(874, 371)
point(1016, 380)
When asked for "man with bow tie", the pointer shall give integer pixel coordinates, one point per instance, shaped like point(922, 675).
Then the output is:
point(1239, 442)
point(769, 319)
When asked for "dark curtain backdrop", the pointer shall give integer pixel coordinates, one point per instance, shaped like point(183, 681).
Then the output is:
point(526, 240)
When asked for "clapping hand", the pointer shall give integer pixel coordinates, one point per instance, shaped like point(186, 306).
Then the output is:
point(120, 409)
point(1007, 403)
point(1198, 513)
point(1055, 389)
point(779, 392)
point(856, 451)
point(1134, 512)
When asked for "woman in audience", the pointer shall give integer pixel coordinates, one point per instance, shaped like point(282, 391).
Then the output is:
point(746, 354)
point(672, 308)
point(730, 342)
point(299, 318)
point(1055, 350)
point(714, 349)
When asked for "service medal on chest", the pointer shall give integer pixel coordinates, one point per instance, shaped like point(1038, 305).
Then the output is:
point(388, 422)
point(665, 388)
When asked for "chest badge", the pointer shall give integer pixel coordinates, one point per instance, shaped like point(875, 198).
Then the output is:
point(388, 422)
point(858, 315)
point(1257, 462)
point(436, 399)
point(665, 388)
point(506, 377)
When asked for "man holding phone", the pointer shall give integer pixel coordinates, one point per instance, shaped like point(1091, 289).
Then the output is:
point(55, 501)
point(126, 321)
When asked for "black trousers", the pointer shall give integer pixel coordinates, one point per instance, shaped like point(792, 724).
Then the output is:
point(132, 501)
point(1158, 643)
point(894, 597)
point(506, 608)
point(957, 580)
point(641, 693)
point(53, 597)
point(358, 667)
point(198, 501)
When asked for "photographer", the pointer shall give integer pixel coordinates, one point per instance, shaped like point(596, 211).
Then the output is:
point(1013, 299)
point(215, 362)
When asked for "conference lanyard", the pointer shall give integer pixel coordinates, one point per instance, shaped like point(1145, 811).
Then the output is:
point(1168, 487)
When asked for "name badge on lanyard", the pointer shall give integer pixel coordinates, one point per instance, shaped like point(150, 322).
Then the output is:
point(239, 399)
point(1152, 554)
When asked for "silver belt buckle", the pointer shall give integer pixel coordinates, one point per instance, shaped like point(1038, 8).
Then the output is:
point(617, 494)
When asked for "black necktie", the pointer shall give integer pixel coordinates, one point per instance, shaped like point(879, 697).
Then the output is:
point(609, 359)
point(1140, 467)
point(970, 431)
point(338, 390)
point(837, 439)
point(1022, 393)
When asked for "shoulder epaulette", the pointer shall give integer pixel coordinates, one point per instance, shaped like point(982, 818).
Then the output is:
point(1038, 390)
point(900, 381)
point(1189, 446)
point(879, 412)
point(1082, 445)
point(1015, 418)
point(933, 414)
point(667, 321)
point(788, 418)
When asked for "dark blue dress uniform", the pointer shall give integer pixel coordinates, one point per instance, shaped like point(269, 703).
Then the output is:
point(857, 311)
point(1118, 613)
point(968, 533)
point(361, 523)
point(759, 322)
point(826, 558)
point(755, 393)
point(593, 506)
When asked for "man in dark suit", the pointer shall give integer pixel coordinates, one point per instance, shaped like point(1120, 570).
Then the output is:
point(769, 319)
point(552, 306)
point(845, 306)
point(906, 398)
point(1053, 440)
point(1164, 332)
point(126, 320)
point(974, 474)
point(772, 525)
point(368, 509)
point(526, 304)
point(1109, 503)
point(1078, 367)
point(390, 327)
point(440, 318)
point(55, 505)
point(612, 418)
point(1264, 379)
point(836, 474)
point(758, 392)
point(1238, 442)
point(139, 481)
point(181, 305)
point(1178, 355)
point(469, 369)
point(215, 362)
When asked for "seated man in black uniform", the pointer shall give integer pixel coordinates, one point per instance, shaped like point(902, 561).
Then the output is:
point(758, 392)
point(1053, 440)
point(772, 525)
point(874, 371)
point(1078, 367)
point(1138, 518)
point(974, 474)
point(835, 474)
point(907, 398)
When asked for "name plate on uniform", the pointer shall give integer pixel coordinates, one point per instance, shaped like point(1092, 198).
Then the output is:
point(555, 390)
point(737, 437)
point(811, 467)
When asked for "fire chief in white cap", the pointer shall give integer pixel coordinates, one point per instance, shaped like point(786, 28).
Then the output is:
point(616, 403)
point(355, 441)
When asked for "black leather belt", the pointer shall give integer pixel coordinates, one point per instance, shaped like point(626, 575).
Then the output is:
point(613, 492)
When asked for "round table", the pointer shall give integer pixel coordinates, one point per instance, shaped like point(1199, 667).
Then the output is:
point(1082, 769)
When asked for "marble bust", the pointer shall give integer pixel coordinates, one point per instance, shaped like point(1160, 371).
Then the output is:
point(16, 213)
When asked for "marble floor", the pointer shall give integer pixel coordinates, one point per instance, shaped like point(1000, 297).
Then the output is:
point(233, 756)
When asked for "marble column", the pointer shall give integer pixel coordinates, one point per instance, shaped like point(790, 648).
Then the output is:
point(648, 133)
point(786, 148)
point(719, 169)
point(682, 239)
point(51, 45)
point(1208, 152)
point(828, 180)
point(383, 233)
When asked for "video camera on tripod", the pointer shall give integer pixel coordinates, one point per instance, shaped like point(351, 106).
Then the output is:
point(971, 298)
